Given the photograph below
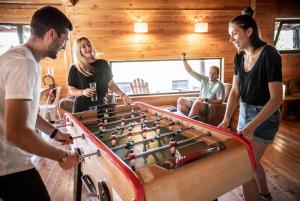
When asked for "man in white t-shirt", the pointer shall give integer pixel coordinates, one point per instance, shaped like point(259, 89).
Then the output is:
point(211, 91)
point(19, 99)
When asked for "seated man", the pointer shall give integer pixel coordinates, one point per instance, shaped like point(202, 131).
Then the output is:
point(211, 91)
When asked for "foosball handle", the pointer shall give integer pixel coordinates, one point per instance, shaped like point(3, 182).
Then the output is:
point(90, 186)
point(104, 194)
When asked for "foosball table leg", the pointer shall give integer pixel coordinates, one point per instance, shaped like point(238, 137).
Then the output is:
point(77, 183)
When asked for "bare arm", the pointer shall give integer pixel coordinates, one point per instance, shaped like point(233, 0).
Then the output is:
point(275, 89)
point(115, 88)
point(73, 91)
point(232, 102)
point(46, 127)
point(18, 133)
point(188, 68)
point(43, 125)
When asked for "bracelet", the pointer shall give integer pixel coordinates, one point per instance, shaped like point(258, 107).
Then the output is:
point(53, 134)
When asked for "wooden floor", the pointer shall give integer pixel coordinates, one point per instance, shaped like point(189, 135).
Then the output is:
point(281, 162)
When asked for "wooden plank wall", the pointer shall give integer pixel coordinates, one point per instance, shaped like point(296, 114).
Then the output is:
point(267, 11)
point(109, 24)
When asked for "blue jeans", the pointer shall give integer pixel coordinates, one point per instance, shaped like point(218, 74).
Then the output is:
point(266, 131)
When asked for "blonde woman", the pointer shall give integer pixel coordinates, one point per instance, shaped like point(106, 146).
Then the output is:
point(88, 71)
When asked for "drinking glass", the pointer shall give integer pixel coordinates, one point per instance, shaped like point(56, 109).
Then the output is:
point(93, 85)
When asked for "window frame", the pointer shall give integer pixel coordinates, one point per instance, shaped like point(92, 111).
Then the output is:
point(281, 22)
point(20, 29)
point(221, 77)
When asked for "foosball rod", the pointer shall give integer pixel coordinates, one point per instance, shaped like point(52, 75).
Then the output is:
point(152, 138)
point(129, 119)
point(140, 131)
point(126, 126)
point(167, 146)
point(121, 115)
point(111, 112)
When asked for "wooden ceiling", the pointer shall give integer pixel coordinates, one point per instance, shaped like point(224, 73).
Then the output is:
point(40, 2)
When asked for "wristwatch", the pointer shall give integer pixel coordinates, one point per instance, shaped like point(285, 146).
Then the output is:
point(53, 134)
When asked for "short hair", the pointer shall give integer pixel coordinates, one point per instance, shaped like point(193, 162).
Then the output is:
point(216, 68)
point(49, 17)
point(245, 22)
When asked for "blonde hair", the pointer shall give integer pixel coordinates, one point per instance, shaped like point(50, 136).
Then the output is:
point(80, 62)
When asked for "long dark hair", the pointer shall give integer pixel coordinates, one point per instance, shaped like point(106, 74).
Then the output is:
point(245, 22)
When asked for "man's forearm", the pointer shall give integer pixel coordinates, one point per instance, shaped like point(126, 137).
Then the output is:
point(31, 142)
point(43, 125)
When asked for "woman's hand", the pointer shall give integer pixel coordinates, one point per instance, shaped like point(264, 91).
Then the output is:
point(224, 125)
point(182, 57)
point(88, 92)
point(246, 132)
point(126, 99)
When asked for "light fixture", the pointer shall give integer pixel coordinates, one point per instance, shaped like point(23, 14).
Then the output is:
point(199, 26)
point(140, 27)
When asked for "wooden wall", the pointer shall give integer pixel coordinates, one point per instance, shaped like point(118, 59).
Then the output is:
point(267, 10)
point(109, 24)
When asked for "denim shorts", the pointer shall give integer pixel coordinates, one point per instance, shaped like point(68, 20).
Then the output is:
point(266, 131)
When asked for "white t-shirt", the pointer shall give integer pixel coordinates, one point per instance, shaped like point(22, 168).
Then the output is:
point(19, 79)
point(211, 90)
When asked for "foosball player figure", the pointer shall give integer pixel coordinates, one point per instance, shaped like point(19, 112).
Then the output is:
point(157, 130)
point(172, 145)
point(143, 126)
point(129, 135)
point(106, 115)
point(122, 122)
point(132, 115)
point(144, 132)
point(113, 139)
point(142, 117)
point(145, 120)
point(171, 125)
point(101, 125)
point(178, 131)
point(131, 158)
point(105, 120)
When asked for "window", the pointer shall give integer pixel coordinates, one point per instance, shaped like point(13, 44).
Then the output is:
point(163, 76)
point(287, 35)
point(12, 35)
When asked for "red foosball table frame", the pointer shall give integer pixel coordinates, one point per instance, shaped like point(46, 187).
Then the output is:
point(220, 173)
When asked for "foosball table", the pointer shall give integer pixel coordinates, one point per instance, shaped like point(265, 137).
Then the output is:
point(141, 152)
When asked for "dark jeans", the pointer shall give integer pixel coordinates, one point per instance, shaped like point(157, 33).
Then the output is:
point(26, 185)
